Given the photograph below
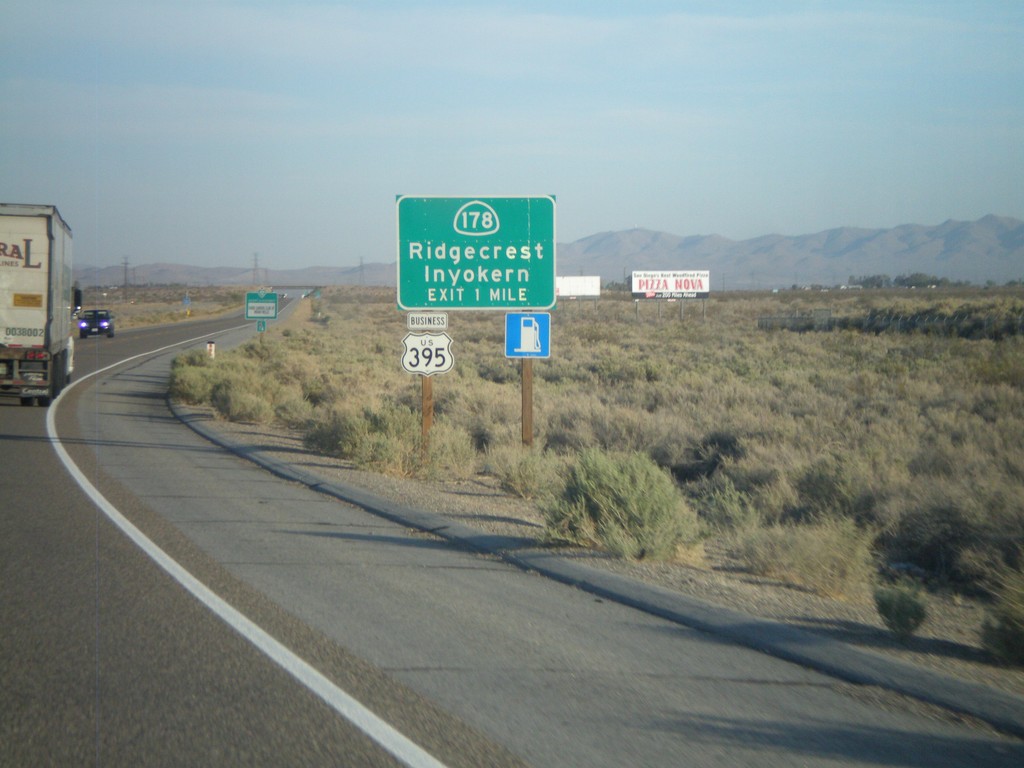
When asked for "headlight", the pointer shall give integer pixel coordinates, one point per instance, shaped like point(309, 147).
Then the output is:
point(83, 324)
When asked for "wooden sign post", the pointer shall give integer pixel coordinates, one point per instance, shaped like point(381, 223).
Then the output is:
point(527, 384)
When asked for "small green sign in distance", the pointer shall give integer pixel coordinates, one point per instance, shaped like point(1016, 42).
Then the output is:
point(476, 252)
point(261, 306)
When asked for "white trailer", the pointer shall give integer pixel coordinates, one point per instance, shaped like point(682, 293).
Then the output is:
point(37, 303)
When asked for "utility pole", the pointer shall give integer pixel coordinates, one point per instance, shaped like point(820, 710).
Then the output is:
point(125, 279)
point(255, 269)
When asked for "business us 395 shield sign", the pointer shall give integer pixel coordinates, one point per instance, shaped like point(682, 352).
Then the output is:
point(427, 353)
point(476, 252)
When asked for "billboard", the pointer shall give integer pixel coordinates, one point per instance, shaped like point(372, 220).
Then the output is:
point(693, 284)
point(578, 286)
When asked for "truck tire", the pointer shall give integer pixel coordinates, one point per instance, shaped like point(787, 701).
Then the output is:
point(58, 379)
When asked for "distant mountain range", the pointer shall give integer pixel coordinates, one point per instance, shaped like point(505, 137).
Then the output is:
point(989, 249)
point(190, 274)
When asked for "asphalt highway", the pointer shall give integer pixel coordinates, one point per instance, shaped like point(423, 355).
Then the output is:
point(193, 609)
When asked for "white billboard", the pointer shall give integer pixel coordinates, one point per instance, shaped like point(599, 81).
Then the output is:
point(578, 286)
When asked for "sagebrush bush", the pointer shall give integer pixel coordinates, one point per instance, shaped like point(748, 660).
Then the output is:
point(237, 398)
point(941, 526)
point(191, 377)
point(529, 473)
point(191, 385)
point(625, 503)
point(902, 607)
point(832, 557)
point(387, 440)
point(451, 454)
point(827, 489)
point(294, 411)
point(723, 507)
point(193, 358)
point(335, 432)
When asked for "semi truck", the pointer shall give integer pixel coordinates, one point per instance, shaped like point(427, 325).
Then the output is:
point(38, 301)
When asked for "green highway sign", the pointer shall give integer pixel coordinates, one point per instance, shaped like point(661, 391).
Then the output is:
point(261, 305)
point(476, 252)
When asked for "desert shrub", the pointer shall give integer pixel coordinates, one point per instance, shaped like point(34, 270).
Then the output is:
point(388, 453)
point(294, 411)
point(570, 429)
point(934, 533)
point(722, 443)
point(624, 429)
point(529, 473)
point(723, 507)
point(193, 358)
point(191, 385)
point(390, 441)
point(238, 398)
point(832, 557)
point(318, 390)
point(826, 488)
point(902, 607)
point(451, 453)
point(490, 418)
point(1003, 631)
point(336, 432)
point(623, 502)
point(1004, 363)
point(498, 371)
point(192, 377)
point(618, 371)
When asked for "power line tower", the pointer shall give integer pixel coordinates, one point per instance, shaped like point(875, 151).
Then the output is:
point(255, 269)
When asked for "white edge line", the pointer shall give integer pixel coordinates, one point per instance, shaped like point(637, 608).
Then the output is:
point(380, 731)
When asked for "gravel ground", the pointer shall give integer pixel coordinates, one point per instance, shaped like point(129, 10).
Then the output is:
point(948, 642)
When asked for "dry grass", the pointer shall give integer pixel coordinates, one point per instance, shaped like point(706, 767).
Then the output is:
point(913, 437)
point(164, 304)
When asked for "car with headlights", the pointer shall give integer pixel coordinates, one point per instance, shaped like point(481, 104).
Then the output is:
point(95, 321)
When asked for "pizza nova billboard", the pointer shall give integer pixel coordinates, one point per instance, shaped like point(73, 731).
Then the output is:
point(695, 284)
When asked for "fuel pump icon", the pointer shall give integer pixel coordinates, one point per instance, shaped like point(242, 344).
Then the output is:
point(529, 336)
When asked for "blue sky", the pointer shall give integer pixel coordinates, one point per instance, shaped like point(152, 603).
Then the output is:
point(207, 132)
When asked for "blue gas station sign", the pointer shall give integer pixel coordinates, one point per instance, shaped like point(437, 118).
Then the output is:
point(528, 334)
